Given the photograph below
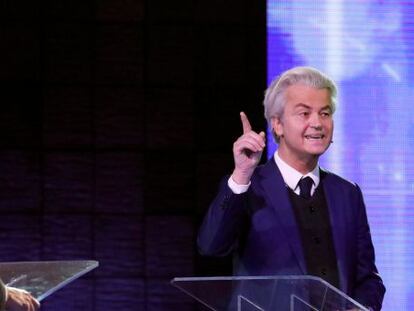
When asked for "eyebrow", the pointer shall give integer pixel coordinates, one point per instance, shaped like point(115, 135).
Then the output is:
point(327, 108)
point(302, 105)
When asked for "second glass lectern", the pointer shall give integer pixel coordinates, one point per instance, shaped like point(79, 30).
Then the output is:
point(267, 293)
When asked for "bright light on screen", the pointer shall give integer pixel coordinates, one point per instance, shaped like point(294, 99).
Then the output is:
point(368, 48)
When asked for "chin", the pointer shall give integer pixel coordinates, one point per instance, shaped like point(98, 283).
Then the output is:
point(317, 151)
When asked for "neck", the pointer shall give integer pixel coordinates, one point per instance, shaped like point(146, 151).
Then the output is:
point(304, 164)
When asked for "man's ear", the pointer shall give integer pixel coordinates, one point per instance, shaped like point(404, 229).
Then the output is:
point(277, 126)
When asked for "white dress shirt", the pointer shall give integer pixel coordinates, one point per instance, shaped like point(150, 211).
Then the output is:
point(290, 176)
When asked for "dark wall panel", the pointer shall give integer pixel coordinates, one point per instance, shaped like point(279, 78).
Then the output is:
point(67, 117)
point(117, 122)
point(20, 182)
point(67, 52)
point(119, 117)
point(21, 237)
point(119, 243)
point(119, 183)
point(119, 55)
point(66, 237)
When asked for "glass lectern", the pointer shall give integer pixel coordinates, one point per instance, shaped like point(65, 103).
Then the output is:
point(43, 278)
point(269, 293)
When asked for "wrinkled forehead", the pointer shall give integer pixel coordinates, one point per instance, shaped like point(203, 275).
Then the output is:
point(304, 95)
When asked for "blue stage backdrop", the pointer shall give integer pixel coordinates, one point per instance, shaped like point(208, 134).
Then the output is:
point(368, 48)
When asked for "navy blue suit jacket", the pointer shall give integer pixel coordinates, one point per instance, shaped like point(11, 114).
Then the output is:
point(259, 226)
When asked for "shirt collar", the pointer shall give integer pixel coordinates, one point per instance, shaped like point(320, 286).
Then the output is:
point(291, 176)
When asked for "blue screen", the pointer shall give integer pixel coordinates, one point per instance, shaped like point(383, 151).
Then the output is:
point(367, 47)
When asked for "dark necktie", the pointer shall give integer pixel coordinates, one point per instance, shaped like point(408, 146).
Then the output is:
point(305, 186)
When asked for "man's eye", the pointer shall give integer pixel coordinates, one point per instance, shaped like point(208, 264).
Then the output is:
point(304, 113)
point(325, 114)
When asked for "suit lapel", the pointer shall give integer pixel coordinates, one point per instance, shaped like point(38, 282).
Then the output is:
point(337, 209)
point(277, 194)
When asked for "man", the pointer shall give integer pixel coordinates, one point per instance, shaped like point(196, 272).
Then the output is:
point(14, 299)
point(289, 216)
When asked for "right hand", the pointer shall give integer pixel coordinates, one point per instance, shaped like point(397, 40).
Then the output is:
point(247, 151)
point(20, 300)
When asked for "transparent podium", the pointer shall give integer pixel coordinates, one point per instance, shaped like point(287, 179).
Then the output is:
point(267, 293)
point(42, 278)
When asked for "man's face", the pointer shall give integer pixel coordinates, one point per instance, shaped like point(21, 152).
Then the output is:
point(306, 126)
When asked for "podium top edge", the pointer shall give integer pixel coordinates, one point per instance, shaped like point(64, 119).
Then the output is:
point(50, 261)
point(241, 278)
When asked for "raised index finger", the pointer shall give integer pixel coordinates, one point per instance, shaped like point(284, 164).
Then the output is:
point(246, 124)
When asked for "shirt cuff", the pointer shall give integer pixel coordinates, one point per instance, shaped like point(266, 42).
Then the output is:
point(236, 188)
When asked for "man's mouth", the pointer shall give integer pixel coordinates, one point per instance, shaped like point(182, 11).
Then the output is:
point(315, 137)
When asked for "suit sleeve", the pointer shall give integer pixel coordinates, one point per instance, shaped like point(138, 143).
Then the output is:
point(369, 289)
point(225, 218)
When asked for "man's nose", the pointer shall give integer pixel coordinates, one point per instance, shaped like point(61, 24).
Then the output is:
point(315, 121)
